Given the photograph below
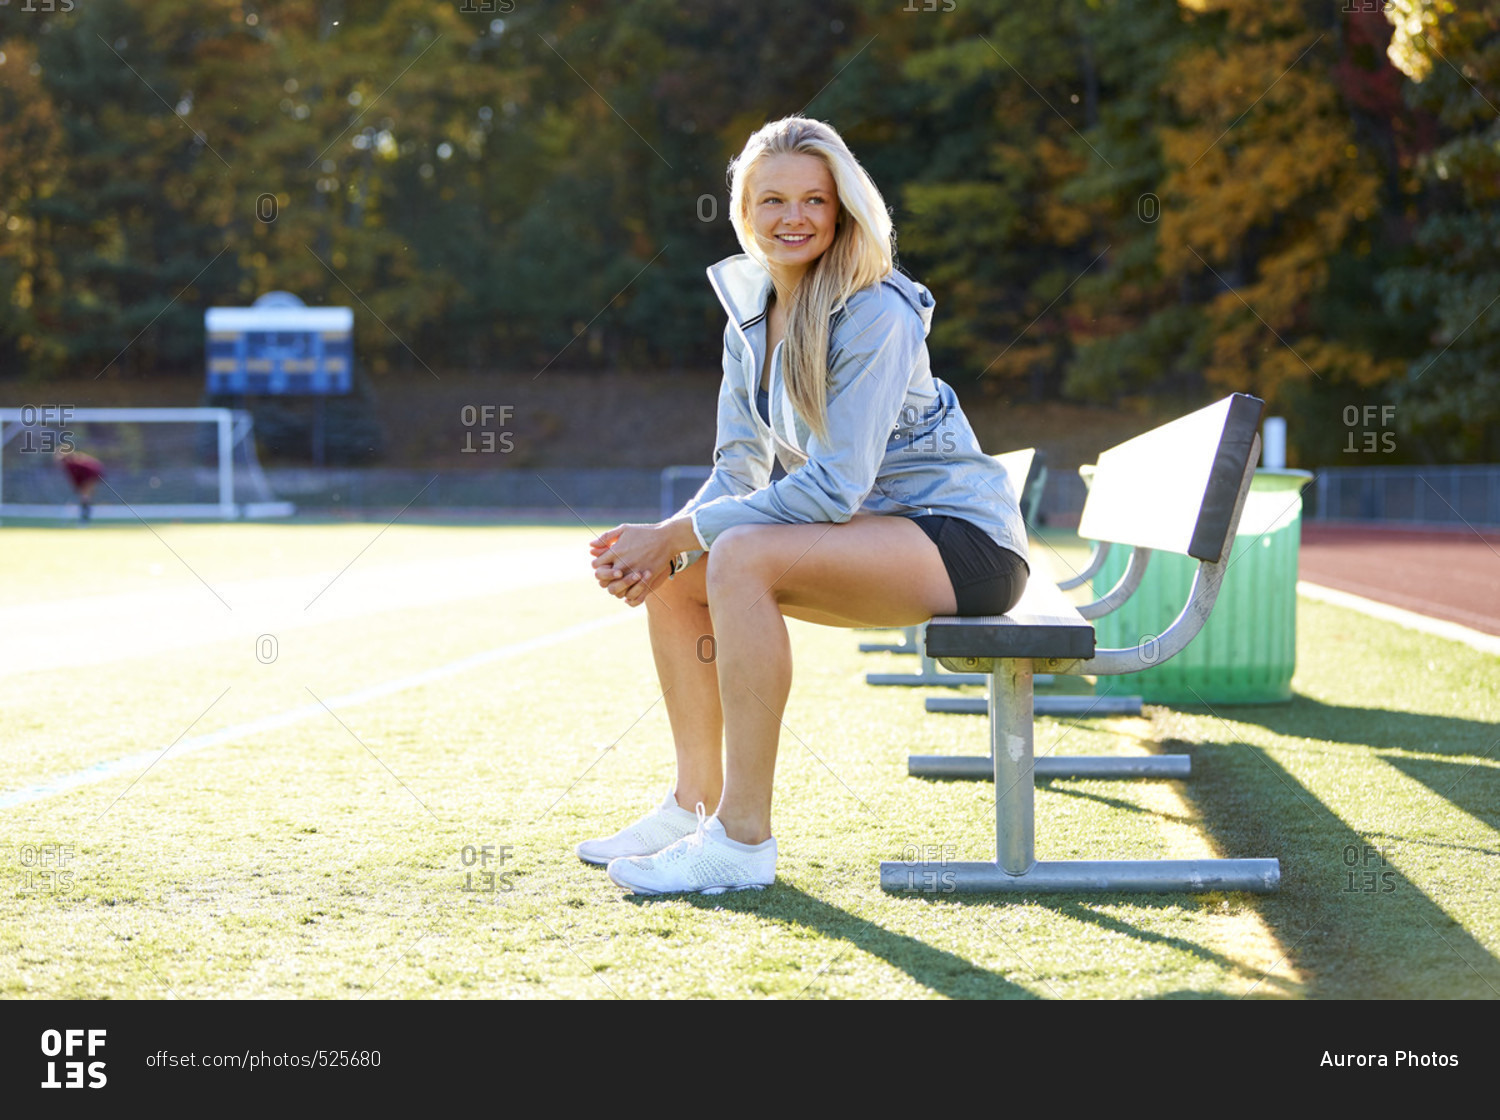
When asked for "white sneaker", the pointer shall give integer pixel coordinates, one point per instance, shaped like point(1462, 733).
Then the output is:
point(653, 832)
point(708, 861)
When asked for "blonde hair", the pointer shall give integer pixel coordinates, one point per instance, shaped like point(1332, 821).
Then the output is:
point(861, 253)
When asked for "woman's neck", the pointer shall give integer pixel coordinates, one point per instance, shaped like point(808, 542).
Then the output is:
point(784, 285)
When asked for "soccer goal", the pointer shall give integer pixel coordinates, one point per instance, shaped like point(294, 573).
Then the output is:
point(158, 463)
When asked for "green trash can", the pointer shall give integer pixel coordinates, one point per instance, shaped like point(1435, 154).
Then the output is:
point(1247, 651)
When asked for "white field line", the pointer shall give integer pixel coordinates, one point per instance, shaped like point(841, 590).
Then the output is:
point(97, 629)
point(1438, 627)
point(140, 759)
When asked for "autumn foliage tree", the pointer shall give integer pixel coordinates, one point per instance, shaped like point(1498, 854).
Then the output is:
point(1123, 202)
point(1448, 394)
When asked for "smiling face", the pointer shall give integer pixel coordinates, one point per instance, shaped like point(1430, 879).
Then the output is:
point(794, 210)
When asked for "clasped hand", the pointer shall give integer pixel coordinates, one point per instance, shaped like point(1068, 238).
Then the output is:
point(631, 560)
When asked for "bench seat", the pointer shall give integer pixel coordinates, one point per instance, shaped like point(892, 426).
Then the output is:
point(1043, 624)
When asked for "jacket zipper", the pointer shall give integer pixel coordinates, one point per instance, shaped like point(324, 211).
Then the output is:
point(772, 393)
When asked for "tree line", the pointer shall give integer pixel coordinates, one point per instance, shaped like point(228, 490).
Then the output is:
point(1115, 201)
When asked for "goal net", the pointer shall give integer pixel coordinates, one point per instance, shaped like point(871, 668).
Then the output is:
point(156, 462)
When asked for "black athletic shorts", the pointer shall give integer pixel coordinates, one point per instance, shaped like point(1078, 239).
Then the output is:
point(986, 578)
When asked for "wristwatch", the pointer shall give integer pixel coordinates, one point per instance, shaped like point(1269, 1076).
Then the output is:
point(679, 562)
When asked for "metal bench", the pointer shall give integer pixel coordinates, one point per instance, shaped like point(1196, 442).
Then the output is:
point(1179, 488)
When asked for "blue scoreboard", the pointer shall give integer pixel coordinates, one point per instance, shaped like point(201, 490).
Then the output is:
point(280, 347)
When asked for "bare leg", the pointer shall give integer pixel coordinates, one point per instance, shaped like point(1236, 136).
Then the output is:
point(869, 571)
point(682, 643)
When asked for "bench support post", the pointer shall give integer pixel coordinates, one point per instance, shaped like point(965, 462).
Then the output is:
point(1011, 747)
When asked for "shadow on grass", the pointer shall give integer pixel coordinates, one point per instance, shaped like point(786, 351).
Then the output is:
point(1085, 910)
point(1472, 787)
point(943, 972)
point(1355, 924)
point(1068, 788)
point(1352, 923)
point(1380, 728)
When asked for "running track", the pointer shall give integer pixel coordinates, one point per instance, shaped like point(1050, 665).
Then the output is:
point(1447, 574)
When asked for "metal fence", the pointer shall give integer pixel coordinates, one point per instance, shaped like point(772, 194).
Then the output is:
point(679, 485)
point(1437, 495)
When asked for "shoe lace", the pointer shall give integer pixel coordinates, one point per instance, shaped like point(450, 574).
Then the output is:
point(690, 842)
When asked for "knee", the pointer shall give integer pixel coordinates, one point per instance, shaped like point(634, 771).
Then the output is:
point(740, 563)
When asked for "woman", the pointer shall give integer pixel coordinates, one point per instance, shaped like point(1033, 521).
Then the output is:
point(889, 513)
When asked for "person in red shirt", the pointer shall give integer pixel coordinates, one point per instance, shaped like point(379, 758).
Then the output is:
point(84, 472)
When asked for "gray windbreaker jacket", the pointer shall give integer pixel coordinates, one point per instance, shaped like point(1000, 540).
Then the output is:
point(898, 442)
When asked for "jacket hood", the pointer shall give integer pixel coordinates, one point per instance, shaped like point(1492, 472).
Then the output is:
point(743, 285)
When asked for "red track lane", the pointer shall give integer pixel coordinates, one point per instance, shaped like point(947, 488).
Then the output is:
point(1448, 574)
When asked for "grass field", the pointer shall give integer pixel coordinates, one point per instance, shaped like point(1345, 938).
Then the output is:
point(324, 728)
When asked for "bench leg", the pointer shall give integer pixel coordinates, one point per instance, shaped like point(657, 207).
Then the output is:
point(978, 768)
point(1078, 876)
point(1016, 868)
point(1011, 748)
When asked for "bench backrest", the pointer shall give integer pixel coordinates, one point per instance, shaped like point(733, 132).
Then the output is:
point(1175, 487)
point(1018, 467)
